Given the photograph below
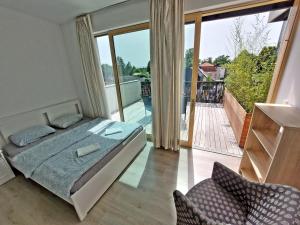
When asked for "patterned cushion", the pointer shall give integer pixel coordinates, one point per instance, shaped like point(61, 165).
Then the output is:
point(266, 203)
point(216, 203)
point(188, 213)
point(228, 198)
point(272, 204)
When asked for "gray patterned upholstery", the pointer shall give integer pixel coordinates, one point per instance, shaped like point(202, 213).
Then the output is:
point(227, 198)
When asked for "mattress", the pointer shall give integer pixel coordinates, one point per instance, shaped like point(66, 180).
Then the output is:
point(100, 164)
point(11, 151)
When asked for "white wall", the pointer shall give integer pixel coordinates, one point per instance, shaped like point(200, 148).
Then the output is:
point(34, 70)
point(132, 12)
point(289, 91)
point(137, 11)
point(74, 58)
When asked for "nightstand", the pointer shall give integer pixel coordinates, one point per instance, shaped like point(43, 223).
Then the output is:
point(6, 172)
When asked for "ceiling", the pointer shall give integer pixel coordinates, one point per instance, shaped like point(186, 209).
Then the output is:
point(58, 11)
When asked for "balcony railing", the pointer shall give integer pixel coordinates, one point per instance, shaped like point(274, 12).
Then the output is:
point(207, 91)
point(210, 91)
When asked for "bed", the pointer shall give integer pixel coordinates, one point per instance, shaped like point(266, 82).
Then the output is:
point(52, 161)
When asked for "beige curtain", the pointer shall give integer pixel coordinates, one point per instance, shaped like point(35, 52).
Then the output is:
point(167, 46)
point(91, 67)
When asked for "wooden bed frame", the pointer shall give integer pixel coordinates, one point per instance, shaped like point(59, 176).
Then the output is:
point(87, 196)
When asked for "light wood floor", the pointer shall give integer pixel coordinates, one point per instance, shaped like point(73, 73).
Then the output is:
point(142, 195)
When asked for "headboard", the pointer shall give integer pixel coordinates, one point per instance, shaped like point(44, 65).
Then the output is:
point(14, 123)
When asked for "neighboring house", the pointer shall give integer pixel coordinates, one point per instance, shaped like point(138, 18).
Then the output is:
point(221, 72)
point(213, 71)
point(209, 70)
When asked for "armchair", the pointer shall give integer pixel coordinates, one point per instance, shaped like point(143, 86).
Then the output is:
point(228, 198)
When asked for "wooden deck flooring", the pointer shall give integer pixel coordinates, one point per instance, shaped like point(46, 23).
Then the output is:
point(212, 130)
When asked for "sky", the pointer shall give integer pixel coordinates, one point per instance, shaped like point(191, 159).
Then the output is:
point(215, 41)
point(133, 47)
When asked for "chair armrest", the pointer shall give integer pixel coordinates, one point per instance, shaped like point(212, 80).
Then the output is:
point(188, 213)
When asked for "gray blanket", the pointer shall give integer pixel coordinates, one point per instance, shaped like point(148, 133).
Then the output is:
point(54, 162)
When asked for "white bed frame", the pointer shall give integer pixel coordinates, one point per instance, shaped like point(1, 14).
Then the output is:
point(87, 196)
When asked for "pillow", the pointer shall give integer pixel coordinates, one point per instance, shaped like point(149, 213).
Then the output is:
point(66, 120)
point(31, 134)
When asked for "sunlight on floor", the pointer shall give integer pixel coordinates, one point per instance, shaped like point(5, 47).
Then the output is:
point(183, 173)
point(134, 173)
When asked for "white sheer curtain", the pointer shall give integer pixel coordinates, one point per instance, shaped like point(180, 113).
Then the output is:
point(92, 71)
point(167, 50)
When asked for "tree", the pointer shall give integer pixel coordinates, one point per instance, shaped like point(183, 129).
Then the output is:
point(237, 37)
point(189, 57)
point(265, 65)
point(208, 60)
point(149, 68)
point(253, 41)
point(128, 70)
point(239, 80)
point(258, 38)
point(121, 65)
point(267, 59)
point(249, 76)
point(221, 60)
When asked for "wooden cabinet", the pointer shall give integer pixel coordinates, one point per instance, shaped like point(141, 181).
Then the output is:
point(272, 148)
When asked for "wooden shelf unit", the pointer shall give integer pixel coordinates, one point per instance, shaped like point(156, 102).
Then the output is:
point(272, 148)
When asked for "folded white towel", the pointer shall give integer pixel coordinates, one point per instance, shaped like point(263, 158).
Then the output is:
point(87, 149)
point(110, 131)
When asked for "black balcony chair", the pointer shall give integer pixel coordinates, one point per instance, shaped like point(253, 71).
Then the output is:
point(227, 198)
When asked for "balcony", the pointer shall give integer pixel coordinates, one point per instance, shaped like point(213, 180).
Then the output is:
point(212, 130)
point(136, 101)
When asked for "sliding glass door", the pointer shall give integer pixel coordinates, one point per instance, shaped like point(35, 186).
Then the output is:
point(125, 62)
point(189, 30)
point(132, 51)
point(108, 75)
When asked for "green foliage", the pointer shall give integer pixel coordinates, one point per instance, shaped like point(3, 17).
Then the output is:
point(208, 60)
point(266, 59)
point(188, 59)
point(121, 65)
point(249, 76)
point(149, 68)
point(209, 78)
point(130, 70)
point(222, 60)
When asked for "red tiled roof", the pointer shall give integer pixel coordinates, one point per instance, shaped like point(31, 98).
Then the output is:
point(206, 64)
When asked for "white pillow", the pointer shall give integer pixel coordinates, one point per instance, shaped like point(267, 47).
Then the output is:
point(66, 120)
